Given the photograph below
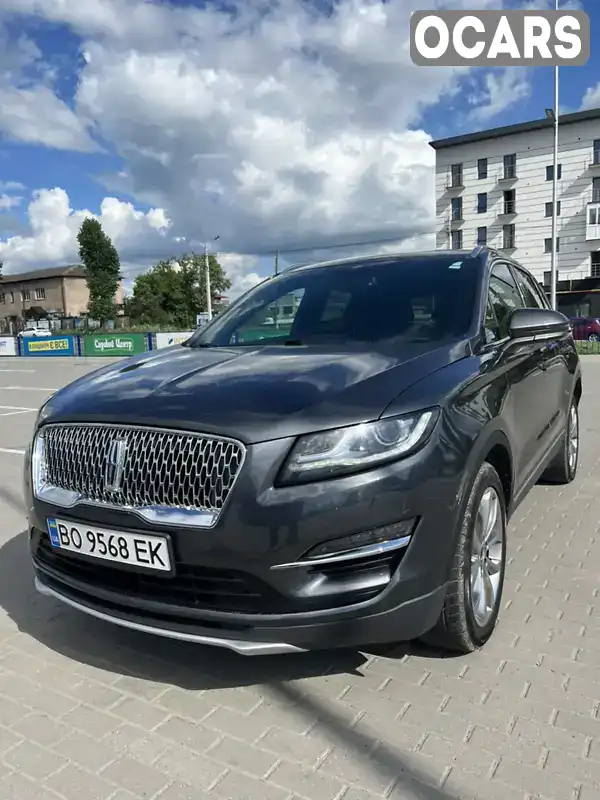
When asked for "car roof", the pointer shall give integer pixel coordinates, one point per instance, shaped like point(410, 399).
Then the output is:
point(375, 258)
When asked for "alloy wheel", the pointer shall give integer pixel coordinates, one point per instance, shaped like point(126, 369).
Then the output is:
point(573, 437)
point(487, 554)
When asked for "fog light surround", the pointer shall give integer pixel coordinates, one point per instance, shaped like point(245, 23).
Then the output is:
point(377, 541)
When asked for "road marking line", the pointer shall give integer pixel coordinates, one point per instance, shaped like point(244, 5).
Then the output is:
point(10, 451)
point(28, 388)
point(18, 408)
point(17, 370)
point(12, 413)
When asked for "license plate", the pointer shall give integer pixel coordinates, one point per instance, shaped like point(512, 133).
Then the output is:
point(134, 549)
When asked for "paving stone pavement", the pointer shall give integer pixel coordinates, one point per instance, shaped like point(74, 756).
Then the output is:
point(90, 710)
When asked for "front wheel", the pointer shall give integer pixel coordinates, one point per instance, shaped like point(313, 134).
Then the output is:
point(472, 603)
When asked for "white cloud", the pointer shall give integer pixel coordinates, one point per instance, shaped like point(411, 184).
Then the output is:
point(31, 112)
point(591, 99)
point(8, 201)
point(501, 90)
point(140, 237)
point(53, 226)
point(276, 127)
point(38, 116)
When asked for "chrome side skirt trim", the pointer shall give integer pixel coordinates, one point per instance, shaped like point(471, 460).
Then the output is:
point(238, 646)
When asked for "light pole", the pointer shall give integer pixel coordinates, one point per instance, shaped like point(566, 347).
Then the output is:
point(553, 115)
point(208, 286)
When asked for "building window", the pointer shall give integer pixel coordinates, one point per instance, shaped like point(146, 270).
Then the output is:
point(510, 166)
point(550, 172)
point(482, 235)
point(548, 244)
point(596, 190)
point(456, 175)
point(509, 201)
point(2, 299)
point(457, 209)
point(596, 158)
point(482, 203)
point(25, 295)
point(508, 237)
point(549, 208)
point(40, 294)
point(594, 216)
point(457, 240)
point(595, 264)
point(482, 168)
point(12, 297)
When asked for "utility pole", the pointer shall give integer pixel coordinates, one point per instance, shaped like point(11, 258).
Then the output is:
point(208, 286)
point(553, 264)
point(277, 262)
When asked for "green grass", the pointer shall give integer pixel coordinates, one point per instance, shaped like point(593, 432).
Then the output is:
point(588, 348)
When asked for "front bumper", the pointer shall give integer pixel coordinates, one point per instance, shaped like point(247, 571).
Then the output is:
point(238, 600)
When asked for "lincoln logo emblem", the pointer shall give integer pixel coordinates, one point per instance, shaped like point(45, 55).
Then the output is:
point(115, 463)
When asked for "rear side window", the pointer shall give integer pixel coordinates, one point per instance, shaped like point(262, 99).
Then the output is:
point(503, 296)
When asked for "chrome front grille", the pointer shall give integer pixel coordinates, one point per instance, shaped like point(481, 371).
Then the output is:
point(177, 477)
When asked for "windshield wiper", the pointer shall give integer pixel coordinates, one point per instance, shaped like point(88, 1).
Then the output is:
point(293, 343)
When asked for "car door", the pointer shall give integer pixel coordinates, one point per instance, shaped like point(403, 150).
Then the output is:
point(554, 363)
point(526, 408)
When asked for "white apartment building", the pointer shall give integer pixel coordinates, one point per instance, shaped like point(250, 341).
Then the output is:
point(495, 187)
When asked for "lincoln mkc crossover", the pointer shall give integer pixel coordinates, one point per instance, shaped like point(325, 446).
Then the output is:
point(331, 462)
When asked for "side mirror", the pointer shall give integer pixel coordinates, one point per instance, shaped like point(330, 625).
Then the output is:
point(537, 323)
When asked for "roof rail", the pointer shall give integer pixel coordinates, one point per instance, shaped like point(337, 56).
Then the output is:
point(477, 251)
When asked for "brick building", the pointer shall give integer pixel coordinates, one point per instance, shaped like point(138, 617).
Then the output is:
point(57, 292)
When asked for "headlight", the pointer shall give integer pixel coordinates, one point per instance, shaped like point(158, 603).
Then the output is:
point(347, 450)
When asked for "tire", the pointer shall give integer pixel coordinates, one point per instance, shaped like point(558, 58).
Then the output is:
point(563, 468)
point(461, 628)
point(593, 337)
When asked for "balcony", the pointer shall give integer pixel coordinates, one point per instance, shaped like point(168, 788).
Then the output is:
point(454, 182)
point(507, 174)
point(594, 161)
point(592, 222)
point(508, 208)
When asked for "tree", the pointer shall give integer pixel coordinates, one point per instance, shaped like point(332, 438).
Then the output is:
point(102, 269)
point(174, 291)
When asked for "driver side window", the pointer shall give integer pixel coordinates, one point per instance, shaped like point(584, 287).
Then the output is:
point(271, 322)
point(504, 298)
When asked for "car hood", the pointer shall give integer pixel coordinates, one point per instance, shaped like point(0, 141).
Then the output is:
point(253, 394)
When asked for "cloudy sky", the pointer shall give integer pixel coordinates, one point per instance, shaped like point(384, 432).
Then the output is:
point(273, 124)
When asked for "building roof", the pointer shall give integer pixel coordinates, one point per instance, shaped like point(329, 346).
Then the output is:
point(69, 271)
point(521, 127)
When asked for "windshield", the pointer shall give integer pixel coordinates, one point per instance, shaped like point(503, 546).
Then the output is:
point(426, 298)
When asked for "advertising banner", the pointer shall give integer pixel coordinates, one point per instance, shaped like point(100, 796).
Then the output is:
point(8, 346)
point(113, 344)
point(49, 346)
point(169, 339)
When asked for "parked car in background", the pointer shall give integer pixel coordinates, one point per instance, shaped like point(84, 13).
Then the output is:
point(345, 483)
point(586, 328)
point(27, 333)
